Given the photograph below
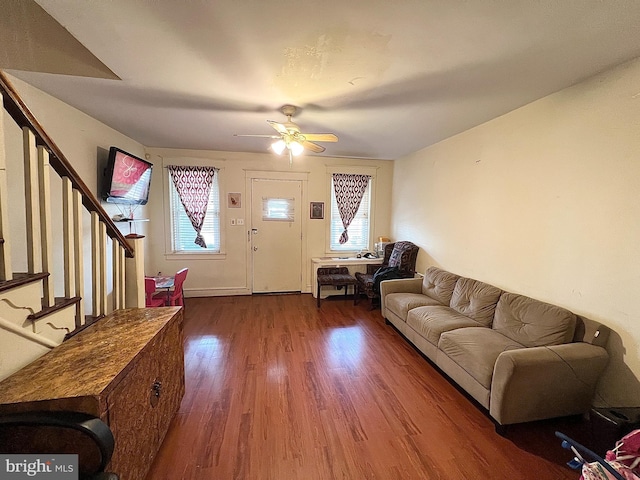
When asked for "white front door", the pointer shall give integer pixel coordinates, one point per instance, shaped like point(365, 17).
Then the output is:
point(276, 235)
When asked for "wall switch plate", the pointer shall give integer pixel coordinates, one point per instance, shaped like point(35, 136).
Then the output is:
point(241, 221)
point(233, 222)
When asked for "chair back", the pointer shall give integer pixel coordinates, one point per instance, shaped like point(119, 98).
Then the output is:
point(177, 297)
point(404, 257)
point(149, 287)
point(60, 432)
point(388, 248)
point(179, 279)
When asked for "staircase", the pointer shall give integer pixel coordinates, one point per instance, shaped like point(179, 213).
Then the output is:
point(48, 289)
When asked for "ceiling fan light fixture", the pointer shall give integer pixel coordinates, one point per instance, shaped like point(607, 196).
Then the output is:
point(290, 138)
point(278, 146)
point(296, 148)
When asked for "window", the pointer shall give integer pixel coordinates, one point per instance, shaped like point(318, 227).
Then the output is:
point(278, 209)
point(358, 230)
point(183, 234)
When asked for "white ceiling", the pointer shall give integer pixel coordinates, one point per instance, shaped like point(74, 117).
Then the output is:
point(387, 76)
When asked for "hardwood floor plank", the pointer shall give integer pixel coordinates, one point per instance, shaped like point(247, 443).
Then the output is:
point(279, 389)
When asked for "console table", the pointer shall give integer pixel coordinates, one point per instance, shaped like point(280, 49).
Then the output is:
point(126, 369)
point(352, 263)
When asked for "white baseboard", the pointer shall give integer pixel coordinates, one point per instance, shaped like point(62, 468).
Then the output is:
point(216, 292)
point(221, 292)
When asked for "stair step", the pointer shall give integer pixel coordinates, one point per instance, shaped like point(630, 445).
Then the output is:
point(88, 321)
point(60, 303)
point(20, 279)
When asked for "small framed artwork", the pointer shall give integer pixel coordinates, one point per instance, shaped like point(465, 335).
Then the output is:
point(317, 210)
point(234, 200)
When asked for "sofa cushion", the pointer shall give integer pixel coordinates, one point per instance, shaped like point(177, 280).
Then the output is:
point(439, 284)
point(431, 322)
point(475, 350)
point(475, 299)
point(533, 323)
point(401, 303)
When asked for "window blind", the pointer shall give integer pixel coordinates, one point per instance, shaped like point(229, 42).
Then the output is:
point(278, 209)
point(183, 234)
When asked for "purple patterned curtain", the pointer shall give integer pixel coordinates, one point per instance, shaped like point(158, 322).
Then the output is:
point(349, 190)
point(193, 185)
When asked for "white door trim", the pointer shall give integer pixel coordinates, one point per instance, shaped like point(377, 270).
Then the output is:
point(303, 177)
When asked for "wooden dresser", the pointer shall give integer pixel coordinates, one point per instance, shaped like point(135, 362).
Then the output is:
point(127, 369)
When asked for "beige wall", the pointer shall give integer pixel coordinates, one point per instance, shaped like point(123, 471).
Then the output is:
point(543, 201)
point(229, 274)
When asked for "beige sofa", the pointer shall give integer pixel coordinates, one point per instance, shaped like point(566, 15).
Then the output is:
point(520, 358)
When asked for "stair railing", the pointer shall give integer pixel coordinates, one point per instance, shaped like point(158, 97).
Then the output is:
point(41, 157)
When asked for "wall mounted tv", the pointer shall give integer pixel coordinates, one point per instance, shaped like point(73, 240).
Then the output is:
point(128, 178)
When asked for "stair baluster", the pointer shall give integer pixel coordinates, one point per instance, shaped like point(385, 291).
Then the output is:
point(46, 242)
point(6, 271)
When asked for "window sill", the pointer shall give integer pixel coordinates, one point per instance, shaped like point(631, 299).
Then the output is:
point(195, 256)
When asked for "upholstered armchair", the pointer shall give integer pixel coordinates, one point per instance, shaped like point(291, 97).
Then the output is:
point(399, 254)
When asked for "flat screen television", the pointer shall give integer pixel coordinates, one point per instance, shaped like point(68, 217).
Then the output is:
point(128, 178)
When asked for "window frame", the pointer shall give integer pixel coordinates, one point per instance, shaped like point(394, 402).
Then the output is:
point(358, 170)
point(205, 254)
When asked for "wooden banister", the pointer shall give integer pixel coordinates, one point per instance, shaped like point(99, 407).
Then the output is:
point(21, 114)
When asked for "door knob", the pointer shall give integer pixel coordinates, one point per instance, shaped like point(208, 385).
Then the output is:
point(255, 249)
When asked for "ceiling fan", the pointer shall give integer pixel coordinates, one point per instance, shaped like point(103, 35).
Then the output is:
point(292, 139)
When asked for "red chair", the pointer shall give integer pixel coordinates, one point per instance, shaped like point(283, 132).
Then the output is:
point(149, 290)
point(175, 298)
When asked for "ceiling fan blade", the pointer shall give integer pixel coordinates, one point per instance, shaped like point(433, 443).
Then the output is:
point(320, 137)
point(314, 147)
point(262, 136)
point(278, 126)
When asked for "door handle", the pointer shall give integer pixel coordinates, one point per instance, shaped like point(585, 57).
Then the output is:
point(255, 249)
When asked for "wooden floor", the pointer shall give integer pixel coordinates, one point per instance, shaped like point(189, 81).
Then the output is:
point(279, 389)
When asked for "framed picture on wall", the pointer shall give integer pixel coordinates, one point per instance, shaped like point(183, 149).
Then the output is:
point(234, 200)
point(317, 211)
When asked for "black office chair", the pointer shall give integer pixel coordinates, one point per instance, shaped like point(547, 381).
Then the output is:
point(61, 433)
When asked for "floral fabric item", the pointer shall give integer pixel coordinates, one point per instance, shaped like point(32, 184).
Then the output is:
point(349, 190)
point(193, 185)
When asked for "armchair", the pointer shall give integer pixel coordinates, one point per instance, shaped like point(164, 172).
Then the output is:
point(399, 254)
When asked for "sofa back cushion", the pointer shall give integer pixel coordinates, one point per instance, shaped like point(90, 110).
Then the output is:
point(475, 299)
point(533, 323)
point(439, 284)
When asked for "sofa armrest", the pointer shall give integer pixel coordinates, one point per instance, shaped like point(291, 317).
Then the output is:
point(545, 382)
point(400, 285)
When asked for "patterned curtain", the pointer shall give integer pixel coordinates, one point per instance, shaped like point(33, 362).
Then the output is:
point(349, 190)
point(193, 185)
